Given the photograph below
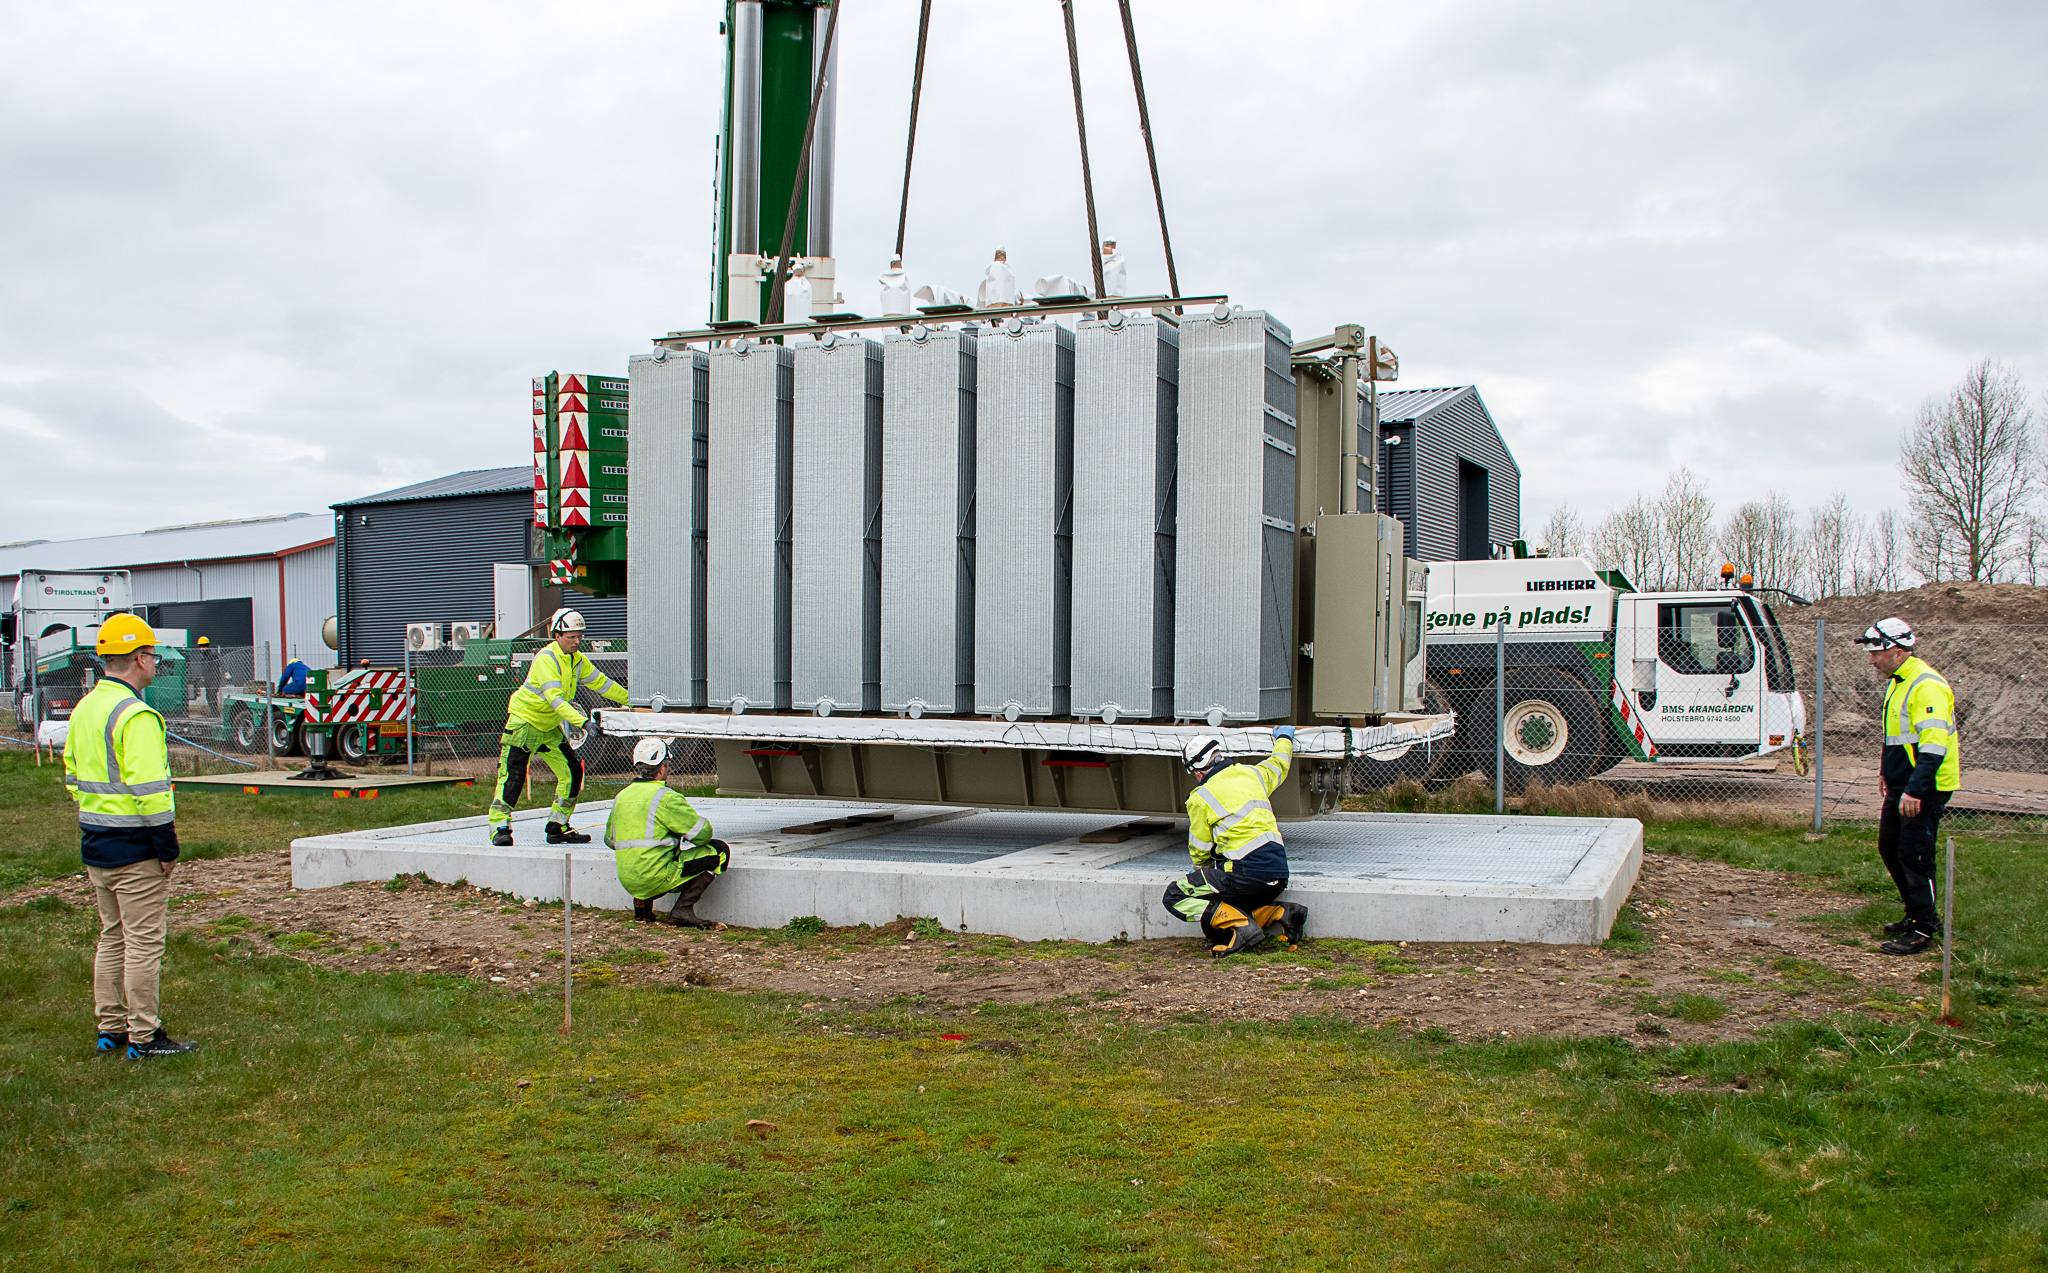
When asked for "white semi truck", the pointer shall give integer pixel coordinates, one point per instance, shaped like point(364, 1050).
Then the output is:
point(1596, 673)
point(46, 637)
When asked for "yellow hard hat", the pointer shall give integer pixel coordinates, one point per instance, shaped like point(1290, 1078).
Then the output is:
point(204, 641)
point(123, 634)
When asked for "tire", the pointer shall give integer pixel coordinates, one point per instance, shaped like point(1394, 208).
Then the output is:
point(284, 734)
point(1420, 763)
point(244, 729)
point(352, 744)
point(1555, 729)
point(298, 740)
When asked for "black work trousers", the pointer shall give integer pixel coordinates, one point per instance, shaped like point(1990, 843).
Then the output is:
point(1907, 847)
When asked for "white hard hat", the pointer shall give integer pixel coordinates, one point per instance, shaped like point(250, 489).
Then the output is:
point(565, 621)
point(649, 753)
point(1886, 633)
point(1201, 753)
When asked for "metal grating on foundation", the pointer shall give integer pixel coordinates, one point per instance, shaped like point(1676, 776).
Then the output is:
point(965, 841)
point(738, 819)
point(1479, 853)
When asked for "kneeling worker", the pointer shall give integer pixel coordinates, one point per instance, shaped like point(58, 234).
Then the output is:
point(662, 845)
point(1240, 861)
point(542, 719)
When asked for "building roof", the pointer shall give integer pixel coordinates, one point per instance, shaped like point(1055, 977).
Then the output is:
point(470, 482)
point(172, 545)
point(1406, 406)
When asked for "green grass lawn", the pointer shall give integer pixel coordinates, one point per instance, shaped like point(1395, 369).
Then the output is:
point(347, 1121)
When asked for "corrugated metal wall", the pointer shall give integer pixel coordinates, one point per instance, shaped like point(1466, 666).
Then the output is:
point(308, 601)
point(1024, 478)
point(835, 527)
point(928, 540)
point(430, 561)
point(1127, 375)
point(747, 609)
point(1423, 474)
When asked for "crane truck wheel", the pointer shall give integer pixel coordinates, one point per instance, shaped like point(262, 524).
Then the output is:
point(352, 743)
point(1552, 729)
point(244, 730)
point(284, 736)
point(1419, 762)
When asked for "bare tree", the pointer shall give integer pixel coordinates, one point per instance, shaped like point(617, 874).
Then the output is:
point(1631, 540)
point(2033, 549)
point(1971, 464)
point(1564, 535)
point(1880, 556)
point(1831, 540)
point(1762, 538)
point(1931, 550)
point(1687, 514)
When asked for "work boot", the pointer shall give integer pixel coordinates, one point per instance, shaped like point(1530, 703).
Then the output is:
point(158, 1044)
point(1246, 936)
point(559, 833)
point(502, 837)
point(1898, 926)
point(643, 909)
point(684, 915)
point(1910, 942)
point(111, 1042)
point(1293, 918)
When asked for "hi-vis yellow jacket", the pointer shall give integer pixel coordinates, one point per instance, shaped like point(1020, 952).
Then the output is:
point(117, 764)
point(546, 699)
point(1230, 818)
point(1920, 717)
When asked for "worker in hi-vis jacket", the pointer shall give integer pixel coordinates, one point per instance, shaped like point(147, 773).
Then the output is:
point(1921, 768)
point(542, 719)
point(660, 845)
point(1234, 841)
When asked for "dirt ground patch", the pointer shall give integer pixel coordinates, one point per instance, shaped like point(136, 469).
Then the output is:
point(1704, 952)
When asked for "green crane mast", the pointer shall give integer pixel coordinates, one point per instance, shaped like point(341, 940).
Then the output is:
point(772, 66)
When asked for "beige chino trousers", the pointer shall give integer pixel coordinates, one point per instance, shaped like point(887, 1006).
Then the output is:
point(134, 903)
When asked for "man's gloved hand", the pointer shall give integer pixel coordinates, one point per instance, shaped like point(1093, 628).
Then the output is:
point(1284, 731)
point(577, 736)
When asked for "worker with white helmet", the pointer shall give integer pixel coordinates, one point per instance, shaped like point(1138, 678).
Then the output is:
point(1920, 770)
point(1234, 840)
point(542, 719)
point(661, 845)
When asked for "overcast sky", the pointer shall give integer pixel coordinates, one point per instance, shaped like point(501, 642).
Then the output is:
point(255, 258)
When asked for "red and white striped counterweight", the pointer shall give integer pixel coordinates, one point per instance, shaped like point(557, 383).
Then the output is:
point(354, 695)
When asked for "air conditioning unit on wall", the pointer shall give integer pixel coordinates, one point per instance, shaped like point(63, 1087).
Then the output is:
point(461, 634)
point(420, 637)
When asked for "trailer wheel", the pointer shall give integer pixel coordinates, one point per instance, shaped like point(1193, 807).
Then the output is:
point(352, 743)
point(284, 737)
point(244, 729)
point(1553, 729)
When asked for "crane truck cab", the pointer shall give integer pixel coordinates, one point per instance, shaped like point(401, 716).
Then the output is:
point(1598, 673)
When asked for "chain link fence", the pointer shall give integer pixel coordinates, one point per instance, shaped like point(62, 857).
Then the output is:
point(1558, 732)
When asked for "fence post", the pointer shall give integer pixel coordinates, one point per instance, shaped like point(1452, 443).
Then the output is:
point(568, 972)
point(269, 701)
point(1500, 717)
point(1820, 712)
point(1948, 925)
point(406, 689)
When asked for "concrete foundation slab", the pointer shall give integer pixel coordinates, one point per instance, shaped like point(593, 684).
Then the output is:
point(1382, 877)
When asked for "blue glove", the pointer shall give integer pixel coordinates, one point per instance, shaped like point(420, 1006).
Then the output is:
point(1284, 731)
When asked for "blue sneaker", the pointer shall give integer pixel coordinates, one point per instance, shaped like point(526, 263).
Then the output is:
point(110, 1043)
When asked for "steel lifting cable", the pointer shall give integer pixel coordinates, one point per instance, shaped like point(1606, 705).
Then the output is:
point(924, 27)
point(1151, 156)
point(803, 171)
point(1081, 124)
